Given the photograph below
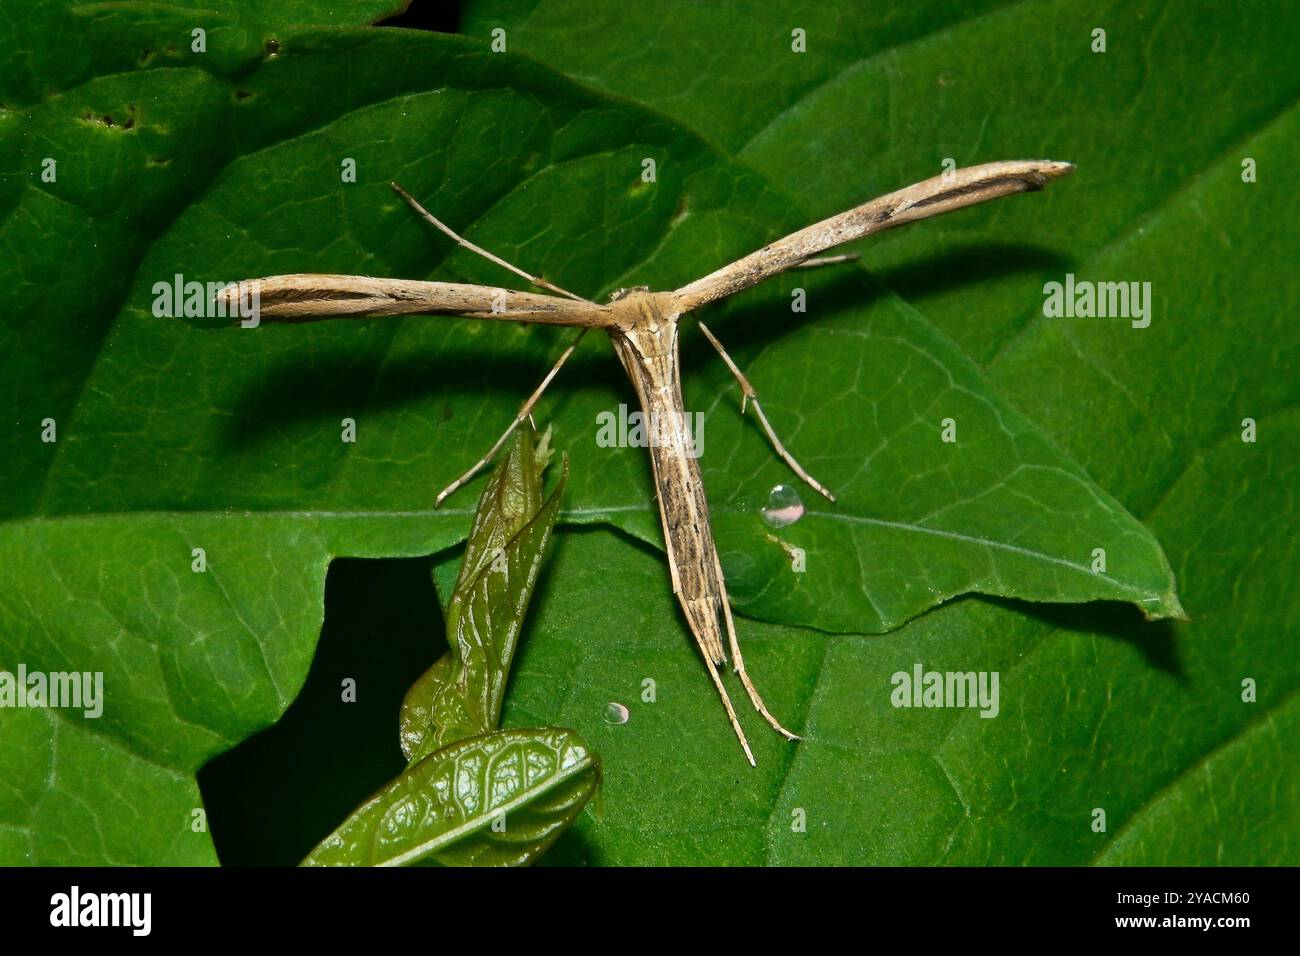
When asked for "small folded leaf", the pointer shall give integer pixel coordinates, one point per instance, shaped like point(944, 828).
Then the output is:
point(511, 498)
point(461, 695)
point(496, 800)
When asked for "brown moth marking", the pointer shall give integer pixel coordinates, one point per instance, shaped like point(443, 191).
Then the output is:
point(643, 328)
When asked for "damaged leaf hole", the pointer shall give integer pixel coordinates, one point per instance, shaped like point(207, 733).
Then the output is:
point(106, 120)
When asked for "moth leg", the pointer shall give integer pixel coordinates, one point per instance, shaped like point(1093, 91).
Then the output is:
point(447, 230)
point(525, 414)
point(749, 396)
point(731, 711)
point(738, 665)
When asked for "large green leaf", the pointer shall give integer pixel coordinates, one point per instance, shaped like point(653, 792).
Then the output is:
point(229, 173)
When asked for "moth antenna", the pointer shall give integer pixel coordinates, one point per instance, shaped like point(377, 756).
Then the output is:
point(460, 240)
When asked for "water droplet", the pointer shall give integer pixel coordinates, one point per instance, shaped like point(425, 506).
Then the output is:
point(784, 507)
point(615, 713)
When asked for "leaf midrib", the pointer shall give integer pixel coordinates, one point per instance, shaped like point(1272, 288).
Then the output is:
point(573, 515)
point(473, 825)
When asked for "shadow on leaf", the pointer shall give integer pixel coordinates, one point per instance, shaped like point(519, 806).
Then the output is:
point(272, 798)
point(1156, 641)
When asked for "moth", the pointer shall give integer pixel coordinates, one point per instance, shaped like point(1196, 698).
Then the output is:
point(643, 327)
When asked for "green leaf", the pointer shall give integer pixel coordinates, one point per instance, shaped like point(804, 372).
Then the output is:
point(193, 663)
point(81, 43)
point(917, 521)
point(461, 695)
point(529, 783)
point(510, 500)
point(641, 54)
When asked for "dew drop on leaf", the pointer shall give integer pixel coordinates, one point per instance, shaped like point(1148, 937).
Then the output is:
point(784, 507)
point(615, 713)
